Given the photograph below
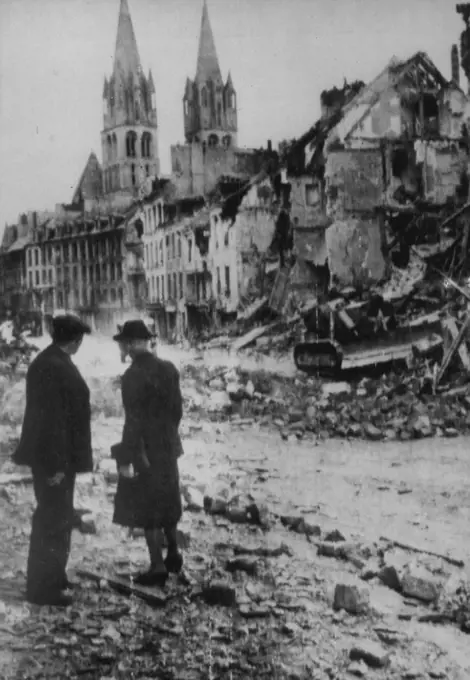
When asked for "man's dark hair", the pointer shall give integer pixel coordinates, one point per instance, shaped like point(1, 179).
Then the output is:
point(59, 338)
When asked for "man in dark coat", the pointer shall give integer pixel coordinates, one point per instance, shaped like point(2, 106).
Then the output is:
point(56, 443)
point(148, 455)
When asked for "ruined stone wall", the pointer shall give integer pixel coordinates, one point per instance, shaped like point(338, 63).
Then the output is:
point(444, 165)
point(354, 181)
point(254, 229)
point(310, 245)
point(384, 118)
point(355, 242)
point(355, 250)
point(307, 201)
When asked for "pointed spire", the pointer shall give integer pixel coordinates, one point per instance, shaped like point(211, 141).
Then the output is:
point(207, 61)
point(151, 84)
point(126, 56)
point(229, 83)
point(188, 90)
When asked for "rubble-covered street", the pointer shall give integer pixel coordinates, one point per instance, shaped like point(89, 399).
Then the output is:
point(305, 553)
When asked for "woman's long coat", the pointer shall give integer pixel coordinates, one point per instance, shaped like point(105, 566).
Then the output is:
point(151, 443)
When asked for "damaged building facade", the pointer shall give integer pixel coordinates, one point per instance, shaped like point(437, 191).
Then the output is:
point(380, 149)
point(204, 262)
point(207, 226)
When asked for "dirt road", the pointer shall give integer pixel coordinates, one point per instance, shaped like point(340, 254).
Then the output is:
point(418, 494)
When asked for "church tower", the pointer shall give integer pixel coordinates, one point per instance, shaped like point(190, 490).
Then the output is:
point(129, 135)
point(210, 106)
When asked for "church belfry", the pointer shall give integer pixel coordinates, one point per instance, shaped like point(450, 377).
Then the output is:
point(209, 105)
point(129, 135)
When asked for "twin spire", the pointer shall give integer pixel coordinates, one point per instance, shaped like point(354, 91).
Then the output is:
point(207, 62)
point(127, 59)
point(126, 55)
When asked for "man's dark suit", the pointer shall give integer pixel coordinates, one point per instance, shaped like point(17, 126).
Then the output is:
point(56, 437)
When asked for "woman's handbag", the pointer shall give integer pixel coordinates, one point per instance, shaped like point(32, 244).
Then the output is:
point(132, 501)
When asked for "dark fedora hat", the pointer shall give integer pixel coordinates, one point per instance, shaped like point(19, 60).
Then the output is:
point(68, 327)
point(133, 330)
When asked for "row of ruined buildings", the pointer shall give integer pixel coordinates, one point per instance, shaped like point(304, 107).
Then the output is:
point(193, 249)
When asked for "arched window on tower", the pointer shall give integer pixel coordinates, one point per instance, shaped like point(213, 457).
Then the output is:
point(133, 174)
point(186, 107)
point(219, 114)
point(137, 112)
point(115, 153)
point(233, 100)
point(146, 144)
point(131, 142)
point(213, 141)
point(204, 96)
point(227, 141)
point(109, 143)
point(160, 214)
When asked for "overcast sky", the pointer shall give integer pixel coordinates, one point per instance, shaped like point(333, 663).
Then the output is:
point(54, 55)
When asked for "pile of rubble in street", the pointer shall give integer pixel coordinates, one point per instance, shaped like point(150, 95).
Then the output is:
point(401, 346)
point(395, 406)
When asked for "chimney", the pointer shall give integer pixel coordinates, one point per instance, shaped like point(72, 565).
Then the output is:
point(270, 145)
point(455, 66)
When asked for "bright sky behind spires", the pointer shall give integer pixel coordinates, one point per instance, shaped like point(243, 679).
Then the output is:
point(54, 55)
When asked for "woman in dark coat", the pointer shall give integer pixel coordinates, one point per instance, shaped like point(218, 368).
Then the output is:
point(151, 444)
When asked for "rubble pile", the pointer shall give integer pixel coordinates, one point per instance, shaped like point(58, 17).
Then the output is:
point(394, 406)
point(15, 351)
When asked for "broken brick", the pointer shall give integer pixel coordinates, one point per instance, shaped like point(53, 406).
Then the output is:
point(354, 599)
point(371, 652)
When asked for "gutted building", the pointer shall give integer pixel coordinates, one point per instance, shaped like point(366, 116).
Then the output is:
point(398, 140)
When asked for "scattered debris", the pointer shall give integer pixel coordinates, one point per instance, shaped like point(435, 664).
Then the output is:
point(371, 652)
point(152, 596)
point(354, 599)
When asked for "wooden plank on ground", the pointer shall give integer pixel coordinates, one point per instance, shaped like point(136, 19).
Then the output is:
point(406, 546)
point(376, 356)
point(250, 337)
point(153, 596)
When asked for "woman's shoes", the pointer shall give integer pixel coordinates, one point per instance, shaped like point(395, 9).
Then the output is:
point(156, 578)
point(152, 578)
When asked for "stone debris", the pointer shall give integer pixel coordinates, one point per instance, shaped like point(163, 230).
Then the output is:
point(355, 599)
point(388, 575)
point(88, 525)
point(219, 593)
point(418, 583)
point(392, 407)
point(193, 498)
point(358, 669)
point(371, 652)
point(334, 536)
point(247, 564)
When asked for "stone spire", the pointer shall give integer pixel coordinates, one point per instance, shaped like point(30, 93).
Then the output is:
point(126, 55)
point(207, 62)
